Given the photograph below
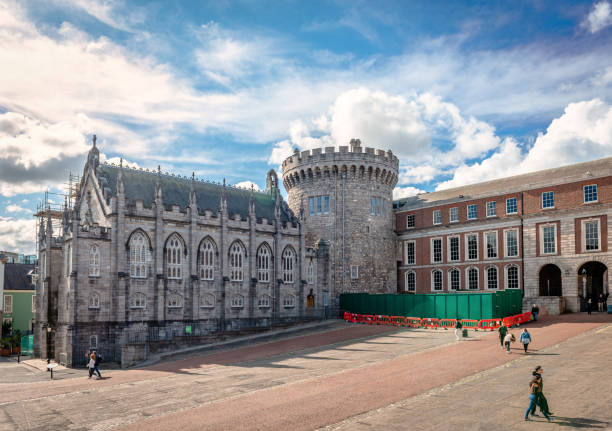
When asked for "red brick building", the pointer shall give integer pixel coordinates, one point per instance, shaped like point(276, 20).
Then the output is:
point(545, 233)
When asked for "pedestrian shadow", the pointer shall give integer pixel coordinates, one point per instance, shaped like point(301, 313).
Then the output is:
point(579, 422)
point(542, 354)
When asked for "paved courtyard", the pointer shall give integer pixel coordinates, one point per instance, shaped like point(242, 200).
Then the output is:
point(344, 377)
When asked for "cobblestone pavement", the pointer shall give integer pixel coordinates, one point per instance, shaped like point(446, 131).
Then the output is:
point(357, 377)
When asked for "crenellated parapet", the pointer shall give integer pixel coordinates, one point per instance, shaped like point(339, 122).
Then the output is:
point(351, 162)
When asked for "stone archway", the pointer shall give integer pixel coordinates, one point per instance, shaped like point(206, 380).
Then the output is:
point(550, 281)
point(592, 277)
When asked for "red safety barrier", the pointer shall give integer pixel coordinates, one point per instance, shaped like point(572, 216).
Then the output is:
point(448, 323)
point(525, 317)
point(346, 316)
point(413, 322)
point(469, 324)
point(490, 324)
point(427, 322)
point(398, 320)
point(382, 320)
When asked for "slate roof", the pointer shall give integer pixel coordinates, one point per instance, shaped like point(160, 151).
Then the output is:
point(533, 180)
point(140, 184)
point(16, 276)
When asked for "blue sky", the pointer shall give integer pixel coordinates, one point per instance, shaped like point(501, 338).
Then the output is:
point(460, 91)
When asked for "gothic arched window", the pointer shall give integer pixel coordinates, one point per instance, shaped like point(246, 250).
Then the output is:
point(174, 255)
point(138, 256)
point(311, 273)
point(207, 260)
point(263, 263)
point(138, 300)
point(288, 259)
point(94, 261)
point(236, 259)
point(94, 300)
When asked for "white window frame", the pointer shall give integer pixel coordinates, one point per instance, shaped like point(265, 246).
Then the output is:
point(354, 272)
point(7, 320)
point(541, 233)
point(467, 277)
point(433, 280)
point(468, 212)
point(207, 304)
point(263, 301)
point(437, 217)
point(583, 235)
point(174, 300)
point(432, 250)
point(8, 304)
point(138, 300)
point(486, 241)
point(507, 279)
point(207, 260)
point(264, 261)
point(506, 232)
point(289, 301)
point(496, 277)
point(139, 254)
point(450, 279)
point(515, 206)
point(467, 246)
point(310, 278)
point(450, 249)
point(174, 258)
point(237, 301)
point(94, 260)
point(413, 252)
point(450, 215)
point(94, 301)
point(410, 217)
point(93, 341)
point(491, 209)
point(406, 281)
point(584, 194)
point(236, 261)
point(553, 200)
point(288, 262)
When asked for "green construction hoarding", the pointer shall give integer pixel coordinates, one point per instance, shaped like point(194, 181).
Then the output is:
point(462, 305)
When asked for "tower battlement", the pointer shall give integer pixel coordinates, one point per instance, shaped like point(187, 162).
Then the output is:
point(351, 162)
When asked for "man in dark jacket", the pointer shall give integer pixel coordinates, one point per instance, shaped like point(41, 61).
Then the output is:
point(535, 310)
point(97, 360)
point(502, 333)
point(541, 400)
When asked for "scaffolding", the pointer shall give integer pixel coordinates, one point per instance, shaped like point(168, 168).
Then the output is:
point(53, 206)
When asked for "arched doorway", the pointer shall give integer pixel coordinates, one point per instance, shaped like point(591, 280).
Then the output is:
point(592, 277)
point(550, 281)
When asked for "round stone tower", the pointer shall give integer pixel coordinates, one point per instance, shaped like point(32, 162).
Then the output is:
point(344, 201)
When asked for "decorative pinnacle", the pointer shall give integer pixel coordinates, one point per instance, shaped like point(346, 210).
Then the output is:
point(94, 140)
point(121, 162)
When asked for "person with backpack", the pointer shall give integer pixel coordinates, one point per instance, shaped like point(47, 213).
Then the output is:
point(534, 387)
point(458, 327)
point(525, 338)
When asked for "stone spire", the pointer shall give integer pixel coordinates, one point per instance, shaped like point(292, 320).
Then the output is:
point(252, 202)
point(223, 204)
point(192, 193)
point(93, 157)
point(120, 185)
point(158, 189)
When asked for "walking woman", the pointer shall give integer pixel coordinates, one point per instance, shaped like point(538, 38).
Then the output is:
point(534, 387)
point(541, 400)
point(525, 339)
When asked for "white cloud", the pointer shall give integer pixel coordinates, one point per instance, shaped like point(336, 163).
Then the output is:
point(247, 185)
point(404, 192)
point(13, 208)
point(582, 133)
point(18, 235)
point(599, 17)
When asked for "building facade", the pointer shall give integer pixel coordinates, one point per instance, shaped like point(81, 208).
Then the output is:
point(140, 249)
point(17, 292)
point(545, 233)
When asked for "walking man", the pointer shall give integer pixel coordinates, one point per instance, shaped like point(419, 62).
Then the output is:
point(502, 333)
point(97, 358)
point(534, 387)
point(525, 338)
point(458, 327)
point(589, 305)
point(600, 303)
point(535, 310)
